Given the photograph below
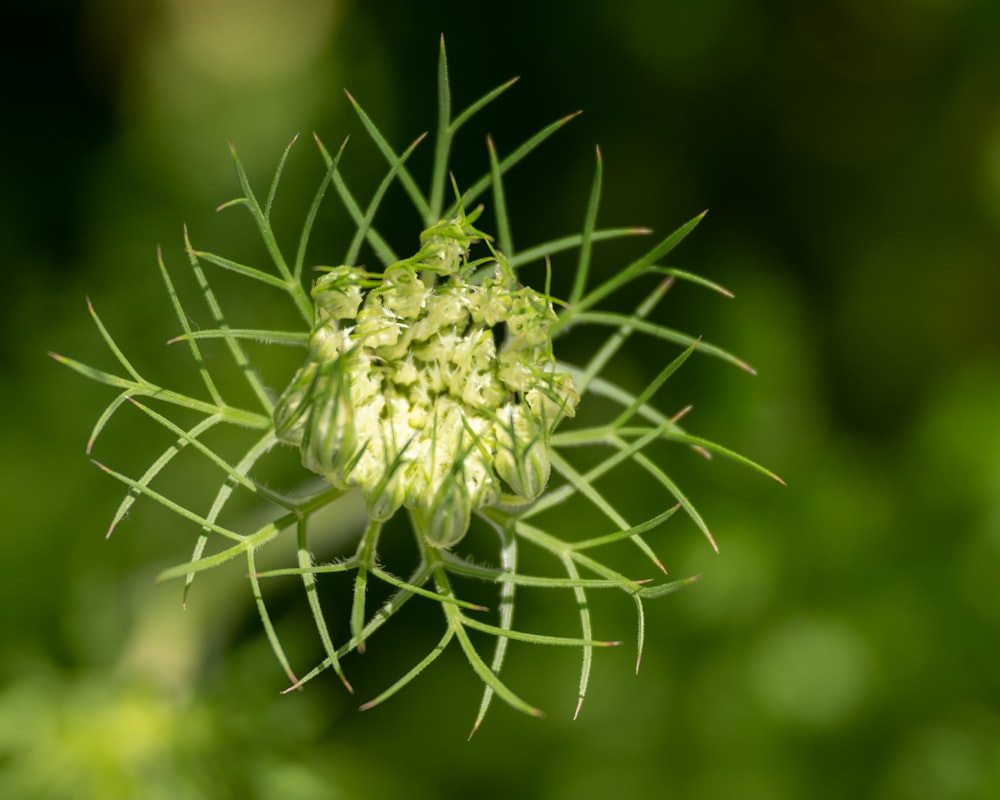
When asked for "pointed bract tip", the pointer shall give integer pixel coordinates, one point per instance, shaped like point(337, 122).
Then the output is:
point(112, 527)
point(743, 365)
point(568, 117)
point(681, 414)
point(579, 705)
point(778, 478)
point(597, 151)
point(350, 96)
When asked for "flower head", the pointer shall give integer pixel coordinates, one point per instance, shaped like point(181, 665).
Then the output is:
point(407, 393)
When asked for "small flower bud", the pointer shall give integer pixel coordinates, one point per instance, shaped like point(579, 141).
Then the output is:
point(447, 518)
point(385, 497)
point(521, 459)
point(338, 293)
point(326, 342)
point(377, 326)
point(404, 292)
point(292, 410)
point(329, 437)
point(490, 303)
point(552, 398)
point(530, 319)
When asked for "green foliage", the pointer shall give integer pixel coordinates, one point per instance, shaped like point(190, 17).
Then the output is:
point(586, 565)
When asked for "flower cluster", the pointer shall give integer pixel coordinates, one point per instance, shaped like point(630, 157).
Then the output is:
point(427, 388)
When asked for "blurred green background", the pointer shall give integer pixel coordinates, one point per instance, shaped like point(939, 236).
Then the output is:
point(844, 641)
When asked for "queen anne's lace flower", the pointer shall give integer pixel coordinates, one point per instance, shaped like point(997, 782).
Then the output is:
point(431, 385)
point(426, 389)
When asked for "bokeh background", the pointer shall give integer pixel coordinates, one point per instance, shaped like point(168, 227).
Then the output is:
point(844, 641)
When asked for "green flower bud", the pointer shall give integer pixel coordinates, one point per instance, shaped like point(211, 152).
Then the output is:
point(446, 243)
point(329, 437)
point(404, 292)
point(552, 398)
point(292, 410)
point(377, 326)
point(384, 498)
point(515, 370)
point(490, 303)
point(447, 518)
point(326, 342)
point(338, 293)
point(530, 319)
point(521, 460)
point(445, 309)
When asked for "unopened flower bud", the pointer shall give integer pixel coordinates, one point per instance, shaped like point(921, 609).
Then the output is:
point(338, 293)
point(552, 398)
point(447, 518)
point(377, 326)
point(384, 498)
point(521, 460)
point(329, 436)
point(404, 293)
